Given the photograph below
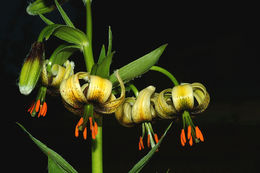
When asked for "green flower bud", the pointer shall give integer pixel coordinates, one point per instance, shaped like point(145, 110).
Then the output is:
point(42, 6)
point(31, 69)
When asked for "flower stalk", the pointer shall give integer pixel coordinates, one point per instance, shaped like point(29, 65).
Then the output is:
point(96, 145)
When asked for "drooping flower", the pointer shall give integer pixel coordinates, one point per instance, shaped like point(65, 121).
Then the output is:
point(50, 80)
point(184, 98)
point(81, 90)
point(139, 110)
point(167, 104)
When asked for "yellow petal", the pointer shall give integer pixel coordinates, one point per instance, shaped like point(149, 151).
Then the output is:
point(71, 90)
point(111, 105)
point(124, 113)
point(202, 97)
point(182, 97)
point(99, 89)
point(142, 108)
point(164, 106)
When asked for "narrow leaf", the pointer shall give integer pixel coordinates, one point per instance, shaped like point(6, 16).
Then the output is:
point(102, 54)
point(139, 66)
point(53, 167)
point(46, 20)
point(53, 157)
point(62, 53)
point(64, 15)
point(104, 67)
point(64, 32)
point(109, 49)
point(139, 166)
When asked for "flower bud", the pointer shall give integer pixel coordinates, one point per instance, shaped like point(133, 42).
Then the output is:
point(42, 6)
point(31, 69)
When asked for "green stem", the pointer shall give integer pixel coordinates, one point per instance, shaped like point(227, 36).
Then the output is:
point(134, 89)
point(89, 21)
point(96, 145)
point(88, 56)
point(96, 149)
point(166, 73)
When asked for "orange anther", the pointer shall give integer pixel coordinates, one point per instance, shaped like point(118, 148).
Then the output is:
point(156, 138)
point(191, 142)
point(32, 108)
point(44, 109)
point(141, 142)
point(37, 105)
point(183, 137)
point(96, 128)
point(182, 142)
point(76, 131)
point(199, 134)
point(85, 133)
point(148, 140)
point(90, 123)
point(80, 122)
point(189, 132)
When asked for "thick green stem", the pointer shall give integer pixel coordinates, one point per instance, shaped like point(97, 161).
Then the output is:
point(89, 21)
point(96, 145)
point(96, 149)
point(166, 73)
point(88, 56)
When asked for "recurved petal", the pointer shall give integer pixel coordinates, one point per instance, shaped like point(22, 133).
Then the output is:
point(202, 97)
point(182, 97)
point(99, 89)
point(124, 113)
point(58, 73)
point(111, 105)
point(71, 90)
point(141, 110)
point(164, 105)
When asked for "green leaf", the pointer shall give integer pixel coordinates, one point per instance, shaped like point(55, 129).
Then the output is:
point(139, 166)
point(41, 7)
point(46, 20)
point(139, 66)
point(62, 53)
point(53, 167)
point(55, 162)
point(102, 54)
point(104, 61)
point(64, 32)
point(64, 15)
point(104, 67)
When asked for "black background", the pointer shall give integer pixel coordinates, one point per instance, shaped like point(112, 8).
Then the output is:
point(213, 43)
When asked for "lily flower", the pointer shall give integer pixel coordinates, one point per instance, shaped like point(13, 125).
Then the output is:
point(139, 110)
point(95, 90)
point(184, 98)
point(50, 81)
point(82, 89)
